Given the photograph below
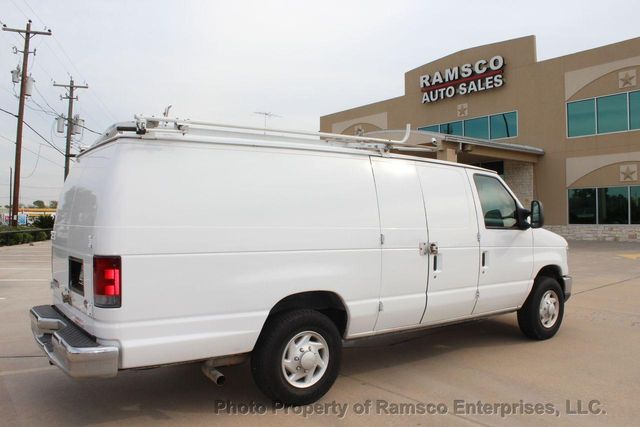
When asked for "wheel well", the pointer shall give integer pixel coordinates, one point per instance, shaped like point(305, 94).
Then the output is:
point(552, 271)
point(327, 303)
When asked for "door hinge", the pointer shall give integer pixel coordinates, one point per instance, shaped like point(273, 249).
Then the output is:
point(380, 306)
point(382, 239)
point(477, 294)
point(478, 236)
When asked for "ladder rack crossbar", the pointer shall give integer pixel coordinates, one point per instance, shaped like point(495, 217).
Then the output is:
point(142, 124)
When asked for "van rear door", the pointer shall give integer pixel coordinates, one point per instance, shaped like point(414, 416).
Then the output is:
point(75, 229)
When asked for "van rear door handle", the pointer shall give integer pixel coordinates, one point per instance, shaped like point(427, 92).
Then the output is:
point(433, 248)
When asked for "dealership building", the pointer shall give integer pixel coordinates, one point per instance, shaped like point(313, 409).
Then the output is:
point(565, 131)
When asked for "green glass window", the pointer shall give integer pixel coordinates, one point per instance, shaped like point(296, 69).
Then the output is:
point(504, 125)
point(634, 192)
point(498, 207)
point(582, 206)
point(432, 128)
point(477, 128)
point(581, 117)
point(634, 110)
point(613, 205)
point(612, 113)
point(453, 128)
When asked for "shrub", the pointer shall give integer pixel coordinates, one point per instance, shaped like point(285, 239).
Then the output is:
point(40, 236)
point(27, 237)
point(14, 239)
point(44, 221)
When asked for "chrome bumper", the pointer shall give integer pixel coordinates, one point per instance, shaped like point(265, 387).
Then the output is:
point(69, 347)
point(568, 284)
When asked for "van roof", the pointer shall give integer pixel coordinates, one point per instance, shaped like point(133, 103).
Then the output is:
point(198, 132)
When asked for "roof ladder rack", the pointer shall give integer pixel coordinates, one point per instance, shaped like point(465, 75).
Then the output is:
point(149, 123)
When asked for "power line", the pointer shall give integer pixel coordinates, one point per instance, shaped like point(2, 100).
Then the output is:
point(12, 142)
point(35, 131)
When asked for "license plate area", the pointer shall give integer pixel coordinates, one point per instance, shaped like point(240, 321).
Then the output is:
point(76, 275)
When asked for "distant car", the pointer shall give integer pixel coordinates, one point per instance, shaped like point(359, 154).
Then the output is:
point(302, 244)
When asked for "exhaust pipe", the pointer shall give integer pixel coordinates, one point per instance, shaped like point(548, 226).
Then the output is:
point(212, 373)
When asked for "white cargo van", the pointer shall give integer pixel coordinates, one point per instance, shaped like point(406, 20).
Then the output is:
point(179, 241)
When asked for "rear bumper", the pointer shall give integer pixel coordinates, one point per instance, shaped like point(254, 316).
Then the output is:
point(69, 347)
point(568, 284)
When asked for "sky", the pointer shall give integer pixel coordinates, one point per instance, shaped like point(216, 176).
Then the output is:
point(222, 61)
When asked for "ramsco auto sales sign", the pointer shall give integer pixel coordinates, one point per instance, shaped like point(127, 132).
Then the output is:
point(468, 78)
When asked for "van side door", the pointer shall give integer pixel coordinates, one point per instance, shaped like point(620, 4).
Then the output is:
point(506, 260)
point(403, 226)
point(453, 233)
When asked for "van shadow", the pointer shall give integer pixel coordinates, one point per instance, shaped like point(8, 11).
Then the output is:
point(409, 347)
point(182, 393)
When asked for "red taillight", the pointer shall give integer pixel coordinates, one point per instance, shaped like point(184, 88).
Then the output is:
point(107, 281)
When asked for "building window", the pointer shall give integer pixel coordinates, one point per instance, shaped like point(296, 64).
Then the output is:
point(497, 167)
point(434, 128)
point(453, 128)
point(582, 206)
point(477, 128)
point(634, 110)
point(604, 114)
point(496, 126)
point(613, 205)
point(634, 200)
point(606, 205)
point(612, 113)
point(503, 125)
point(581, 117)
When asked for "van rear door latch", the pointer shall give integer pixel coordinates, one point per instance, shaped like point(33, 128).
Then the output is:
point(428, 248)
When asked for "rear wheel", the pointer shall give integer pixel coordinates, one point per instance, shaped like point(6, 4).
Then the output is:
point(297, 357)
point(541, 315)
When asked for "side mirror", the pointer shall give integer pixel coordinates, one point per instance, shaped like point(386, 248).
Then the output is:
point(537, 214)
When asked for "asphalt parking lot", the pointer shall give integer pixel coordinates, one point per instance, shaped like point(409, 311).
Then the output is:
point(590, 367)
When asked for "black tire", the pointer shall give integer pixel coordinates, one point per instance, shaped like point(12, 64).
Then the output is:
point(266, 359)
point(529, 317)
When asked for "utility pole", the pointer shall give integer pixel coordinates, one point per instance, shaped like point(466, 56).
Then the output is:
point(10, 192)
point(26, 34)
point(72, 87)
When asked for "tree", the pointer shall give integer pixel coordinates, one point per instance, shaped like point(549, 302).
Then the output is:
point(38, 204)
point(53, 204)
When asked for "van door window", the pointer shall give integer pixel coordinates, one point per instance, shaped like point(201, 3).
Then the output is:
point(498, 207)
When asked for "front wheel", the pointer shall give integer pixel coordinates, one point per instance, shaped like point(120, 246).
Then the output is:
point(541, 315)
point(297, 357)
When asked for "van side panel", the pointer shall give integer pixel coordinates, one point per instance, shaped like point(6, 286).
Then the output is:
point(212, 237)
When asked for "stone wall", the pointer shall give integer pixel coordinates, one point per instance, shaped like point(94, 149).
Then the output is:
point(519, 177)
point(609, 233)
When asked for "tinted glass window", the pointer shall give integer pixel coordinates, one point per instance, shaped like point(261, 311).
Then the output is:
point(581, 117)
point(498, 207)
point(612, 113)
point(634, 110)
point(453, 128)
point(582, 206)
point(613, 205)
point(477, 128)
point(434, 128)
point(635, 204)
point(504, 125)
